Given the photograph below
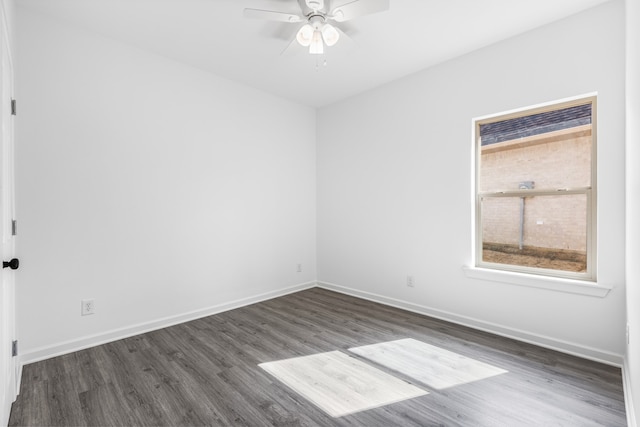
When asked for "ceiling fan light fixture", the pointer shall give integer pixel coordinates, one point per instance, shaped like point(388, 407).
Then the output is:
point(330, 34)
point(317, 46)
point(315, 14)
point(305, 35)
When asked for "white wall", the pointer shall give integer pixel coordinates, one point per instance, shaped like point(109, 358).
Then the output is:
point(632, 366)
point(155, 188)
point(9, 7)
point(394, 184)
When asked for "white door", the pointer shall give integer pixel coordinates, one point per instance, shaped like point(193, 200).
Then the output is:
point(8, 365)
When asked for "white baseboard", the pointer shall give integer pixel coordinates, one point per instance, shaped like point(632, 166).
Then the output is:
point(505, 331)
point(59, 349)
point(628, 397)
point(19, 378)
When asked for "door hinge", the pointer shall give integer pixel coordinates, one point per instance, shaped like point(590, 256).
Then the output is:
point(13, 107)
point(14, 227)
point(14, 348)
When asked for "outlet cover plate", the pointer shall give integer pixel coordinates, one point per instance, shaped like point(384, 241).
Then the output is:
point(88, 307)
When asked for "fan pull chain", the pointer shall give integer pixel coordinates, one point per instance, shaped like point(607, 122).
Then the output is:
point(324, 63)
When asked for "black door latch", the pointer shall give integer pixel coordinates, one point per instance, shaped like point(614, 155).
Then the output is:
point(13, 264)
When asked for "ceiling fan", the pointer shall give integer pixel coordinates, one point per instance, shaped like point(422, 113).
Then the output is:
point(316, 31)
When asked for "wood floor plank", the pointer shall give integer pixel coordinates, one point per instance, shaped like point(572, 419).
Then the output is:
point(206, 372)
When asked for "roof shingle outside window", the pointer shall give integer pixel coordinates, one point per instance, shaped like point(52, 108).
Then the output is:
point(535, 124)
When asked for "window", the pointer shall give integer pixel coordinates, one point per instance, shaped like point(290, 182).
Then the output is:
point(535, 190)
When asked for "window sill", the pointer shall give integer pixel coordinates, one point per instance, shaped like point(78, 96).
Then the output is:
point(551, 283)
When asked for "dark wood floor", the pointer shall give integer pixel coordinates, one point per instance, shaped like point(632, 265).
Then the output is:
point(205, 373)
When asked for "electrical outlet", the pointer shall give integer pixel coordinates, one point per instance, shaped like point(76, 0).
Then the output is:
point(88, 306)
point(410, 282)
point(299, 270)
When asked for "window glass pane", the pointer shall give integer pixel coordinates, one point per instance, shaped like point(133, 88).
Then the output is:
point(550, 150)
point(543, 231)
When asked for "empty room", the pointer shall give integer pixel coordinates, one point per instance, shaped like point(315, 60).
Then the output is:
point(320, 212)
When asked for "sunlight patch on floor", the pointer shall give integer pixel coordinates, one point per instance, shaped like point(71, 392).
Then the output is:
point(434, 366)
point(340, 384)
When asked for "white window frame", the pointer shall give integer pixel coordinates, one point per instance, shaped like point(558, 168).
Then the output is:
point(483, 269)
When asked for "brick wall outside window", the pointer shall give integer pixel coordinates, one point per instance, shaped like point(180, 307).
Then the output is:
point(554, 160)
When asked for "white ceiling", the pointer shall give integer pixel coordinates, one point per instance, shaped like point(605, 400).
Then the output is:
point(213, 35)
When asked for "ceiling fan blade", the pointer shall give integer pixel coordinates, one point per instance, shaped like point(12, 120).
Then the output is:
point(358, 8)
point(271, 15)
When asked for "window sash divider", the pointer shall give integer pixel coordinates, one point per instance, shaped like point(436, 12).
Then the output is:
point(536, 192)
